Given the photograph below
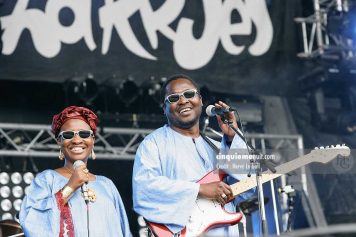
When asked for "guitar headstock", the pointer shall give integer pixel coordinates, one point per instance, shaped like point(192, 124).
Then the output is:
point(326, 154)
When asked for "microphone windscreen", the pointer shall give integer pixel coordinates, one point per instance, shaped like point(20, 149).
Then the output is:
point(209, 110)
point(78, 163)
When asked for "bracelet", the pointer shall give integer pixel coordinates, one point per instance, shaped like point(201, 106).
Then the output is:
point(66, 192)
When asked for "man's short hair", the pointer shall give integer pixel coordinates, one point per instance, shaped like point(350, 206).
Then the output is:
point(173, 78)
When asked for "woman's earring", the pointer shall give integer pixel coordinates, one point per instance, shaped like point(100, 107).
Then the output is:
point(93, 156)
point(61, 155)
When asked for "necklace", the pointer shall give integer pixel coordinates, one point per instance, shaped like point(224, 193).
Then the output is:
point(68, 170)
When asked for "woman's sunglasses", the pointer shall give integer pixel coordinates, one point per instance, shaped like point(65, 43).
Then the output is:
point(70, 134)
point(188, 94)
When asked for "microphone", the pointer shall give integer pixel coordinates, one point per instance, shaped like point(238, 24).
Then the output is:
point(211, 110)
point(84, 187)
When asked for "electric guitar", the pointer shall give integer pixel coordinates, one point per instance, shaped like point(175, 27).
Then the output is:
point(208, 213)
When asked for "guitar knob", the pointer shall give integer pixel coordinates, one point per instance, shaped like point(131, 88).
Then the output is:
point(316, 148)
point(327, 147)
point(321, 147)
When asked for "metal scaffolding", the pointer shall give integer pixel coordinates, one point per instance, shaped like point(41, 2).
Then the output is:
point(35, 140)
point(318, 38)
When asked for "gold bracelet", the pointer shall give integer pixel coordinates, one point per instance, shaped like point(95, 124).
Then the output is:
point(66, 192)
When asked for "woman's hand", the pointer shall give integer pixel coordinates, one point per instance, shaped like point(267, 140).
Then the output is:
point(79, 176)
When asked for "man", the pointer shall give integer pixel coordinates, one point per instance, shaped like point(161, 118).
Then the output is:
point(171, 159)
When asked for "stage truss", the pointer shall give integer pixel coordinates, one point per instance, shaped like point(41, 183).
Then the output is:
point(35, 140)
point(317, 37)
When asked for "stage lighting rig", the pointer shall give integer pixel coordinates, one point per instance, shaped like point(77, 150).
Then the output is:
point(128, 91)
point(81, 89)
point(329, 38)
point(14, 185)
point(150, 101)
point(330, 32)
point(152, 87)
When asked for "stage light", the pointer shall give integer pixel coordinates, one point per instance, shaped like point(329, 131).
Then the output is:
point(150, 101)
point(13, 188)
point(84, 88)
point(143, 231)
point(4, 178)
point(5, 191)
point(27, 189)
point(128, 91)
point(17, 204)
point(16, 178)
point(88, 89)
point(28, 177)
point(17, 191)
point(152, 87)
point(6, 216)
point(6, 205)
point(141, 222)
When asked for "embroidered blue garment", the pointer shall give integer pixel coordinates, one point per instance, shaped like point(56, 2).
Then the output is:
point(166, 169)
point(39, 215)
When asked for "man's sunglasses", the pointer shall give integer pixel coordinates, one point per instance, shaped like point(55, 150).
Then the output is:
point(188, 94)
point(70, 134)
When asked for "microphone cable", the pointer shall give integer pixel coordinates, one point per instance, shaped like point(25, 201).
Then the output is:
point(87, 207)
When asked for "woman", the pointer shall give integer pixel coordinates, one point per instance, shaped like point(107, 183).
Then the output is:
point(57, 204)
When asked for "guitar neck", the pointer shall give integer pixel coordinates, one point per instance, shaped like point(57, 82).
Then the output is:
point(285, 168)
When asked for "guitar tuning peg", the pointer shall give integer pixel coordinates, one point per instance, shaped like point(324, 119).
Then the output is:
point(332, 146)
point(321, 147)
point(338, 145)
point(327, 147)
point(343, 144)
point(316, 148)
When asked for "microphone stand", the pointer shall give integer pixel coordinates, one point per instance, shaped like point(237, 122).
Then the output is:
point(205, 125)
point(262, 209)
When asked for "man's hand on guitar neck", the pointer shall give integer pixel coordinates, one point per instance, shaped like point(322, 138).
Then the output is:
point(218, 191)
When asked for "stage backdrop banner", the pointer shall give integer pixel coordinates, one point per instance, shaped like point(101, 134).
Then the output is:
point(233, 44)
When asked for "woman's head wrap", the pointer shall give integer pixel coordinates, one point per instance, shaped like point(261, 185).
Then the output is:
point(74, 112)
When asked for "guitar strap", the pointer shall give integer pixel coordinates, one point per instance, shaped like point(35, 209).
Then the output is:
point(211, 144)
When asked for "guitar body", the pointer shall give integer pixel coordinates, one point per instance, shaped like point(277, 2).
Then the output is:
point(206, 214)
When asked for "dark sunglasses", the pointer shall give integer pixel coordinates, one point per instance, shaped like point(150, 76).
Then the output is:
point(70, 134)
point(188, 94)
